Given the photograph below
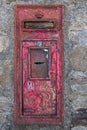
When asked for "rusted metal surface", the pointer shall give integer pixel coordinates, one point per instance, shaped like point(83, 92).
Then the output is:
point(39, 64)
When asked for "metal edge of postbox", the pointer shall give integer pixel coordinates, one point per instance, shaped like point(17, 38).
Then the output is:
point(18, 117)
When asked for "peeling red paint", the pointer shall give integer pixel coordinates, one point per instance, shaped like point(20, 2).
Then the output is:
point(39, 66)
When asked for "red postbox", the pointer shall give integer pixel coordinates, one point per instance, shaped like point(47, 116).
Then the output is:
point(38, 64)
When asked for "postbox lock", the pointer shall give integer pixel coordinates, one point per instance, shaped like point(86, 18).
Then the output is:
point(29, 85)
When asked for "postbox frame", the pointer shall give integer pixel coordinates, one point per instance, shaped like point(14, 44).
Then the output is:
point(18, 117)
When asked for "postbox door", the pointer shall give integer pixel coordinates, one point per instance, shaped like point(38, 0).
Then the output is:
point(40, 78)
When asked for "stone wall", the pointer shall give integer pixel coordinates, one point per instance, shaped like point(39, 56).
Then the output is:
point(75, 85)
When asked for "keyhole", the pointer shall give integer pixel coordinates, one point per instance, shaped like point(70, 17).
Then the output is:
point(29, 85)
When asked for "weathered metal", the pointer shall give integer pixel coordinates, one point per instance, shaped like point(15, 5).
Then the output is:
point(39, 64)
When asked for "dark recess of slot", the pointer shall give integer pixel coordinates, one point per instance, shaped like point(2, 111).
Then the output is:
point(39, 63)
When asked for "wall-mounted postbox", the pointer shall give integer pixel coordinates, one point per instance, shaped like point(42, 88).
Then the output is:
point(39, 64)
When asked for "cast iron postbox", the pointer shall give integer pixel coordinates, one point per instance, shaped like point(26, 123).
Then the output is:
point(39, 64)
